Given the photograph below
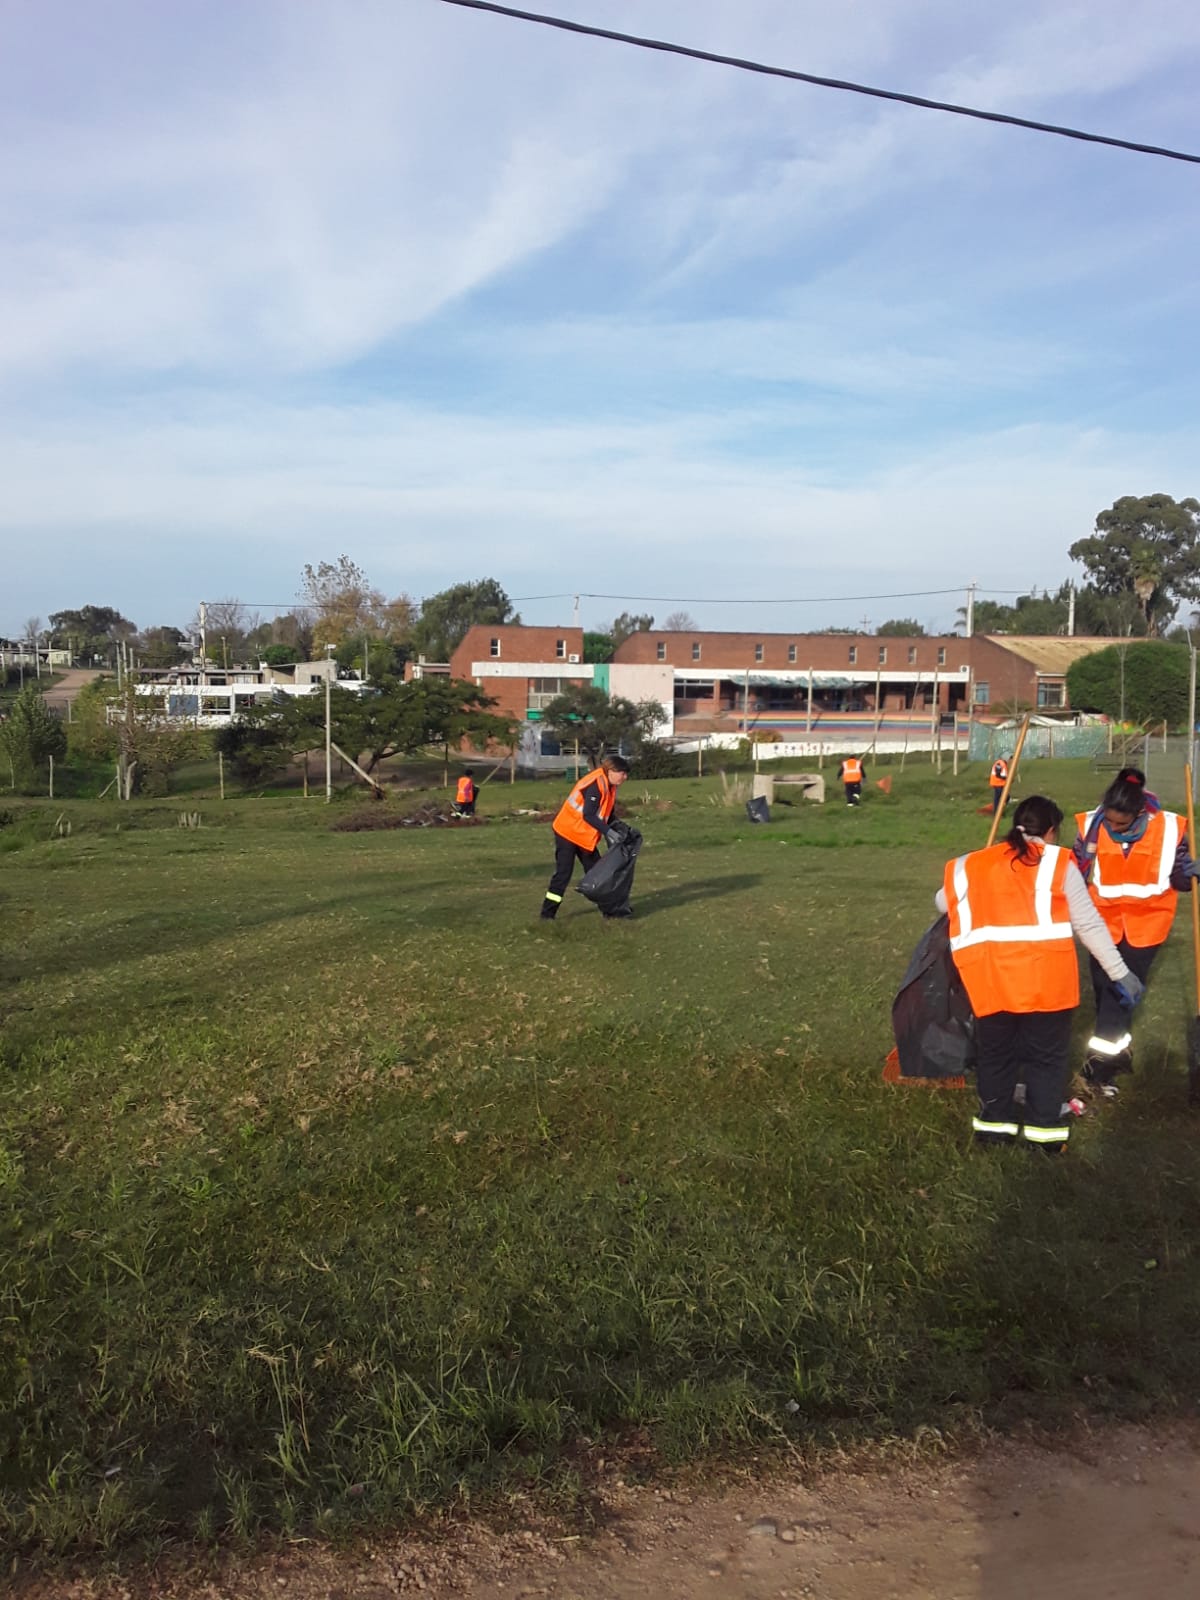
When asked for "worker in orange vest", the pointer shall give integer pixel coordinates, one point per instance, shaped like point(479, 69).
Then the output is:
point(464, 794)
point(1014, 908)
point(1135, 859)
point(850, 776)
point(997, 778)
point(585, 818)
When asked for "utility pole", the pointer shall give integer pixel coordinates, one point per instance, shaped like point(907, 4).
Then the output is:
point(1070, 610)
point(203, 636)
point(971, 588)
point(328, 725)
point(576, 612)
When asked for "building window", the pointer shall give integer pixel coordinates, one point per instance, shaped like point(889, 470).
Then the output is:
point(758, 652)
point(542, 691)
point(791, 652)
point(883, 655)
point(1051, 696)
point(941, 655)
point(661, 650)
point(983, 694)
point(912, 655)
point(693, 689)
point(560, 649)
point(495, 647)
point(695, 650)
point(853, 655)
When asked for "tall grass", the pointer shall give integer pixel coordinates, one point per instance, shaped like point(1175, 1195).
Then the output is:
point(334, 1186)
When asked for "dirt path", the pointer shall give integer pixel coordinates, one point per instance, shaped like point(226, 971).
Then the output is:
point(68, 686)
point(1114, 1515)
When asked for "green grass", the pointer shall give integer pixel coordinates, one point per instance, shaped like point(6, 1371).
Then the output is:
point(333, 1186)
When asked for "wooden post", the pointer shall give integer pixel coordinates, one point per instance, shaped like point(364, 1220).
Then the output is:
point(306, 774)
point(808, 717)
point(221, 773)
point(934, 721)
point(52, 777)
point(956, 744)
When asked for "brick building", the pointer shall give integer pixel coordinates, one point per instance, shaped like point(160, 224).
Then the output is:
point(785, 682)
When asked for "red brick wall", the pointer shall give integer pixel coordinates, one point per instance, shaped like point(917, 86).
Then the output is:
point(733, 653)
point(517, 643)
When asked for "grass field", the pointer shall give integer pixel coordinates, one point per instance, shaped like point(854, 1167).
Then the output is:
point(334, 1186)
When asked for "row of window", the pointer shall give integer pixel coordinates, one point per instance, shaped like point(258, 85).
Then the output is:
point(1050, 696)
point(760, 653)
point(560, 650)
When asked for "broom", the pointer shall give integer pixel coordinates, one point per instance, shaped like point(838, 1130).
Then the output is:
point(1194, 1025)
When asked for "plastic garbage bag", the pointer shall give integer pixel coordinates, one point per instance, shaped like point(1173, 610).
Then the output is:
point(609, 883)
point(931, 1015)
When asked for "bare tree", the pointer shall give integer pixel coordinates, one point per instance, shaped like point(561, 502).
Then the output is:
point(680, 622)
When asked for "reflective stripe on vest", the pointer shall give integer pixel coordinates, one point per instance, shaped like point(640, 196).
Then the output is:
point(1045, 926)
point(1010, 929)
point(1132, 890)
point(569, 823)
point(1166, 860)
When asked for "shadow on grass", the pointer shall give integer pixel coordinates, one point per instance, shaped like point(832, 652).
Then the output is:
point(683, 894)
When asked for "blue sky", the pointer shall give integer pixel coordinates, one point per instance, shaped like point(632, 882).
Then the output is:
point(459, 296)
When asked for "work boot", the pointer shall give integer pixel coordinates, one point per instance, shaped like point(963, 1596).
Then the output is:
point(549, 911)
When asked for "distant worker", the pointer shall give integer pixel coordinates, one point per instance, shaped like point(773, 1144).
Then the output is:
point(998, 777)
point(1013, 909)
point(464, 794)
point(1135, 859)
point(850, 776)
point(585, 818)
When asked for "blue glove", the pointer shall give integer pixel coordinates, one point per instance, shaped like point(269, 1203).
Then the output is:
point(1129, 990)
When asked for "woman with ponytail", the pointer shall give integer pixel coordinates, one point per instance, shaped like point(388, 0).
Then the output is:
point(1135, 860)
point(1014, 910)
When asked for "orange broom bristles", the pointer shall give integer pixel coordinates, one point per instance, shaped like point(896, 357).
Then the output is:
point(892, 1074)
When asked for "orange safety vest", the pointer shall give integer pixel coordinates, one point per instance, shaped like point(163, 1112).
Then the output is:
point(1010, 929)
point(1133, 892)
point(465, 792)
point(569, 823)
point(999, 775)
point(852, 770)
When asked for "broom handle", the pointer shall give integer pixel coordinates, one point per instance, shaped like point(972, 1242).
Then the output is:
point(1194, 897)
point(1012, 772)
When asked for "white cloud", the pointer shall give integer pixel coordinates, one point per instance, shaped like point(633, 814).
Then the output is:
point(652, 267)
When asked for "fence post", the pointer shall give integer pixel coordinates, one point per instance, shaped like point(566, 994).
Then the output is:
point(52, 777)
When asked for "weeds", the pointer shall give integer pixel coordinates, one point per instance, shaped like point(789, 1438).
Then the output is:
point(332, 1189)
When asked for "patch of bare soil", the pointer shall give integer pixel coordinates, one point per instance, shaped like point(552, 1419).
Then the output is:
point(1112, 1514)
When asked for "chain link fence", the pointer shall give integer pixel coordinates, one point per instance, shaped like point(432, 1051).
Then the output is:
point(1063, 744)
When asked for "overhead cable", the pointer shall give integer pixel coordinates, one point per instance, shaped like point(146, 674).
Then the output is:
point(820, 82)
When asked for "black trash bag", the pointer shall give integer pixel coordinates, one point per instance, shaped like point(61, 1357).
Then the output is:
point(931, 1016)
point(609, 882)
point(758, 810)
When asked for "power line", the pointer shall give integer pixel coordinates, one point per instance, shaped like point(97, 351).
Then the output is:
point(843, 84)
point(726, 600)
